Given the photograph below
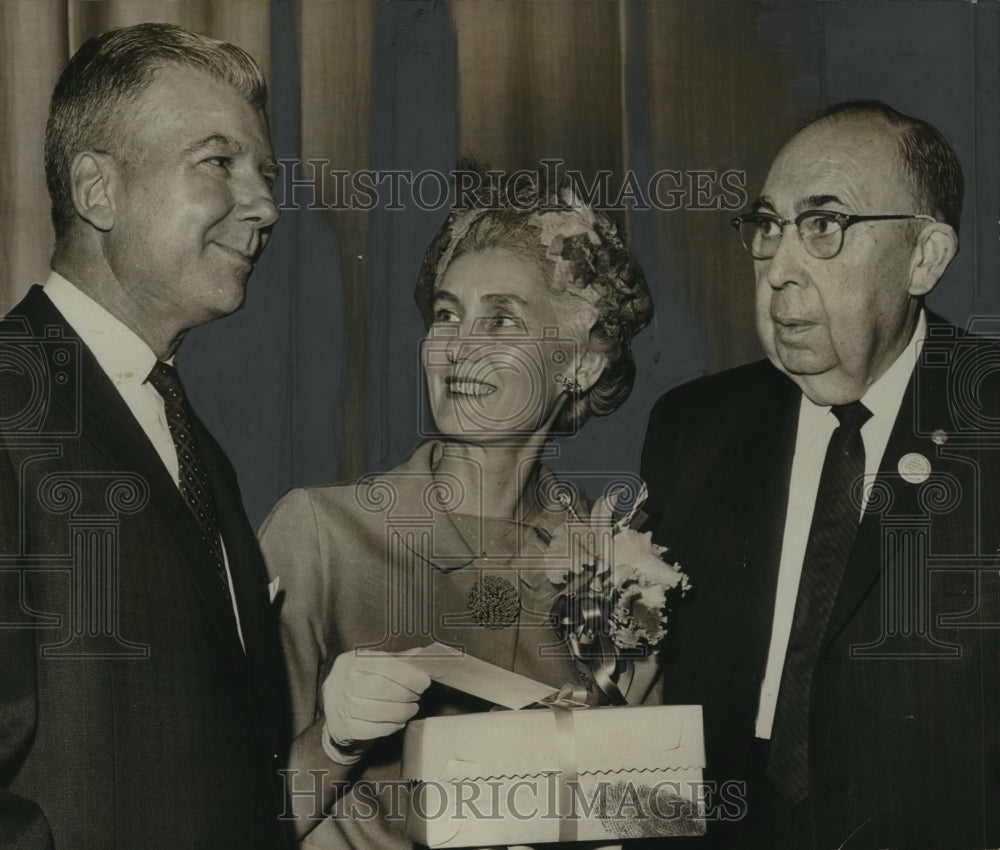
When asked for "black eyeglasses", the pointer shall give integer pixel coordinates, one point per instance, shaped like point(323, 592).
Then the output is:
point(820, 231)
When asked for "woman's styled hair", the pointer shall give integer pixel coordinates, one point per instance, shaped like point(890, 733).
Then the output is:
point(579, 252)
point(94, 103)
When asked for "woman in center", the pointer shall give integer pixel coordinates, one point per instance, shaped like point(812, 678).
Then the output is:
point(531, 300)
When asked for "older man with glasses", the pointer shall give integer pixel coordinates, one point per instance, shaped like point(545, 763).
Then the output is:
point(838, 515)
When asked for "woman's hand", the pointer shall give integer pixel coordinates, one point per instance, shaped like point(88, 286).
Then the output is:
point(364, 697)
point(368, 696)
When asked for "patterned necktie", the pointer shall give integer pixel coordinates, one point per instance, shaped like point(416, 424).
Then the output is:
point(194, 484)
point(831, 536)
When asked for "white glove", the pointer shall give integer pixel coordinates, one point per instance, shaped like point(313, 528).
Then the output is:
point(367, 697)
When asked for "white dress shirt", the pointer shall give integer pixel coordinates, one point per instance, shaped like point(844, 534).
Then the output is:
point(816, 425)
point(126, 359)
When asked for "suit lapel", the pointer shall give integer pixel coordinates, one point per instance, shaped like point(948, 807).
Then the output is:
point(108, 424)
point(769, 447)
point(258, 619)
point(923, 411)
point(245, 562)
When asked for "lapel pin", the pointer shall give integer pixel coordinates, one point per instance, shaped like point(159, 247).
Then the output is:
point(914, 468)
point(939, 437)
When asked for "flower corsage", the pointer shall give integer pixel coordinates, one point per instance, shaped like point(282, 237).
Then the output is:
point(614, 605)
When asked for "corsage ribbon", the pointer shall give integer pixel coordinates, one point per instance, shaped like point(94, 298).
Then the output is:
point(581, 619)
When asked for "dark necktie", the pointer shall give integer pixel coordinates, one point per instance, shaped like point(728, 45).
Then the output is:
point(831, 536)
point(194, 484)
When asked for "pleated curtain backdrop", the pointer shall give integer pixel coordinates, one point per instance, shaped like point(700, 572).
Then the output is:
point(317, 378)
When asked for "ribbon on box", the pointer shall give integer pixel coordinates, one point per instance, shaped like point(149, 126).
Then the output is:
point(471, 675)
point(569, 771)
point(569, 697)
point(564, 704)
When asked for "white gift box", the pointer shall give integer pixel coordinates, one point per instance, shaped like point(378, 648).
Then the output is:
point(555, 774)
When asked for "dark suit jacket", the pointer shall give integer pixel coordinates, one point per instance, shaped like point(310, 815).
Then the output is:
point(904, 746)
point(131, 716)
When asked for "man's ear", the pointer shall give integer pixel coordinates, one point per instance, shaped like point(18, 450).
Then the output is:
point(589, 369)
point(92, 178)
point(936, 246)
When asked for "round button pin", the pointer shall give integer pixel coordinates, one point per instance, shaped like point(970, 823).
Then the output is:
point(914, 468)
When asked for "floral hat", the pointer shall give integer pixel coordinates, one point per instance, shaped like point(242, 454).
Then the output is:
point(588, 257)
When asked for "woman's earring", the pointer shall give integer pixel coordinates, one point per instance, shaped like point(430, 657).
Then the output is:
point(571, 386)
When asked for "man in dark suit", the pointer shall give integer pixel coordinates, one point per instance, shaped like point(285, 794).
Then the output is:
point(141, 687)
point(836, 507)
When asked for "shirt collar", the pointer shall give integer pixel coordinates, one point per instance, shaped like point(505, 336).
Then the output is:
point(884, 397)
point(120, 351)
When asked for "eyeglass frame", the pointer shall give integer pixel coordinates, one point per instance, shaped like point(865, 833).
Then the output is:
point(844, 219)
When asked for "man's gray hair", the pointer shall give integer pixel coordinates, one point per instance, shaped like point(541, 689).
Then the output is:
point(93, 106)
point(930, 161)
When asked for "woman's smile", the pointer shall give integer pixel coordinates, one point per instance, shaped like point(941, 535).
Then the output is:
point(468, 386)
